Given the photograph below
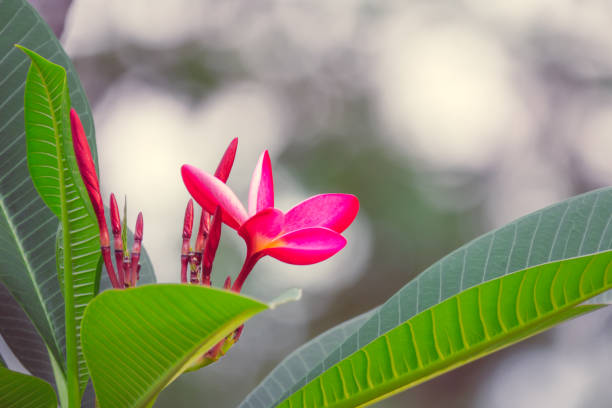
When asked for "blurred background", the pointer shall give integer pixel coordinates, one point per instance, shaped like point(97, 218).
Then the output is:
point(447, 119)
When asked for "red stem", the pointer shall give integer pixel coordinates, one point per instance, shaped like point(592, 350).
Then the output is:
point(184, 264)
point(119, 262)
point(210, 250)
point(247, 267)
point(109, 267)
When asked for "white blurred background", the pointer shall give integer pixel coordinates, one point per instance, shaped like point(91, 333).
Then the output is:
point(446, 118)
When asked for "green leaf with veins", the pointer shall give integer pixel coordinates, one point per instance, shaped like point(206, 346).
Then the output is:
point(138, 340)
point(27, 226)
point(579, 226)
point(49, 140)
point(24, 391)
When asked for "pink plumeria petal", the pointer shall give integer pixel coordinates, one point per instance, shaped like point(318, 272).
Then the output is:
point(261, 229)
point(227, 161)
point(306, 246)
point(261, 192)
point(333, 211)
point(211, 192)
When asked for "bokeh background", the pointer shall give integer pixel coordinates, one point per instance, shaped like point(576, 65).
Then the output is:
point(445, 118)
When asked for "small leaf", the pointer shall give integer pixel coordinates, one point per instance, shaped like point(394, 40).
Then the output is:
point(290, 295)
point(137, 341)
point(24, 391)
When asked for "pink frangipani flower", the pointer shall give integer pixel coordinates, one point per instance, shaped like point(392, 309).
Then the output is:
point(308, 233)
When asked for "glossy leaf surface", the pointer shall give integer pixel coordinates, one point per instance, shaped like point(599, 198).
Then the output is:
point(576, 227)
point(24, 391)
point(48, 141)
point(137, 341)
point(460, 329)
point(27, 226)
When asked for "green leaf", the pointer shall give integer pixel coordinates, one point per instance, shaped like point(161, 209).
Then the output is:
point(301, 361)
point(27, 226)
point(23, 391)
point(576, 227)
point(464, 327)
point(137, 341)
point(48, 139)
point(22, 338)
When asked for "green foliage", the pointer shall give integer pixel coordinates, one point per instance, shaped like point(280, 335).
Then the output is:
point(27, 227)
point(576, 227)
point(137, 341)
point(474, 323)
point(299, 362)
point(24, 391)
point(22, 338)
point(48, 137)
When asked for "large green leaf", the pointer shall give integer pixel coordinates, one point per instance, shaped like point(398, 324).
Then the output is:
point(576, 227)
point(51, 165)
point(24, 391)
point(27, 226)
point(301, 361)
point(137, 341)
point(464, 327)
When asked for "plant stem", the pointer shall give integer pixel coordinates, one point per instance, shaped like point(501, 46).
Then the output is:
point(247, 267)
point(72, 369)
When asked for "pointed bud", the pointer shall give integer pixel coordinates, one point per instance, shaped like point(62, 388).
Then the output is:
point(136, 247)
point(115, 217)
point(87, 169)
point(188, 221)
point(212, 243)
point(117, 243)
point(228, 283)
point(227, 161)
point(124, 227)
point(202, 231)
point(187, 230)
point(138, 233)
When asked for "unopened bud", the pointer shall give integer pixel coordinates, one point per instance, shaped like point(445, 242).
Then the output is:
point(227, 161)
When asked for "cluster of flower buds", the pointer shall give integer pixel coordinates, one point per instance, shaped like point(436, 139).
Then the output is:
point(196, 263)
point(128, 267)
